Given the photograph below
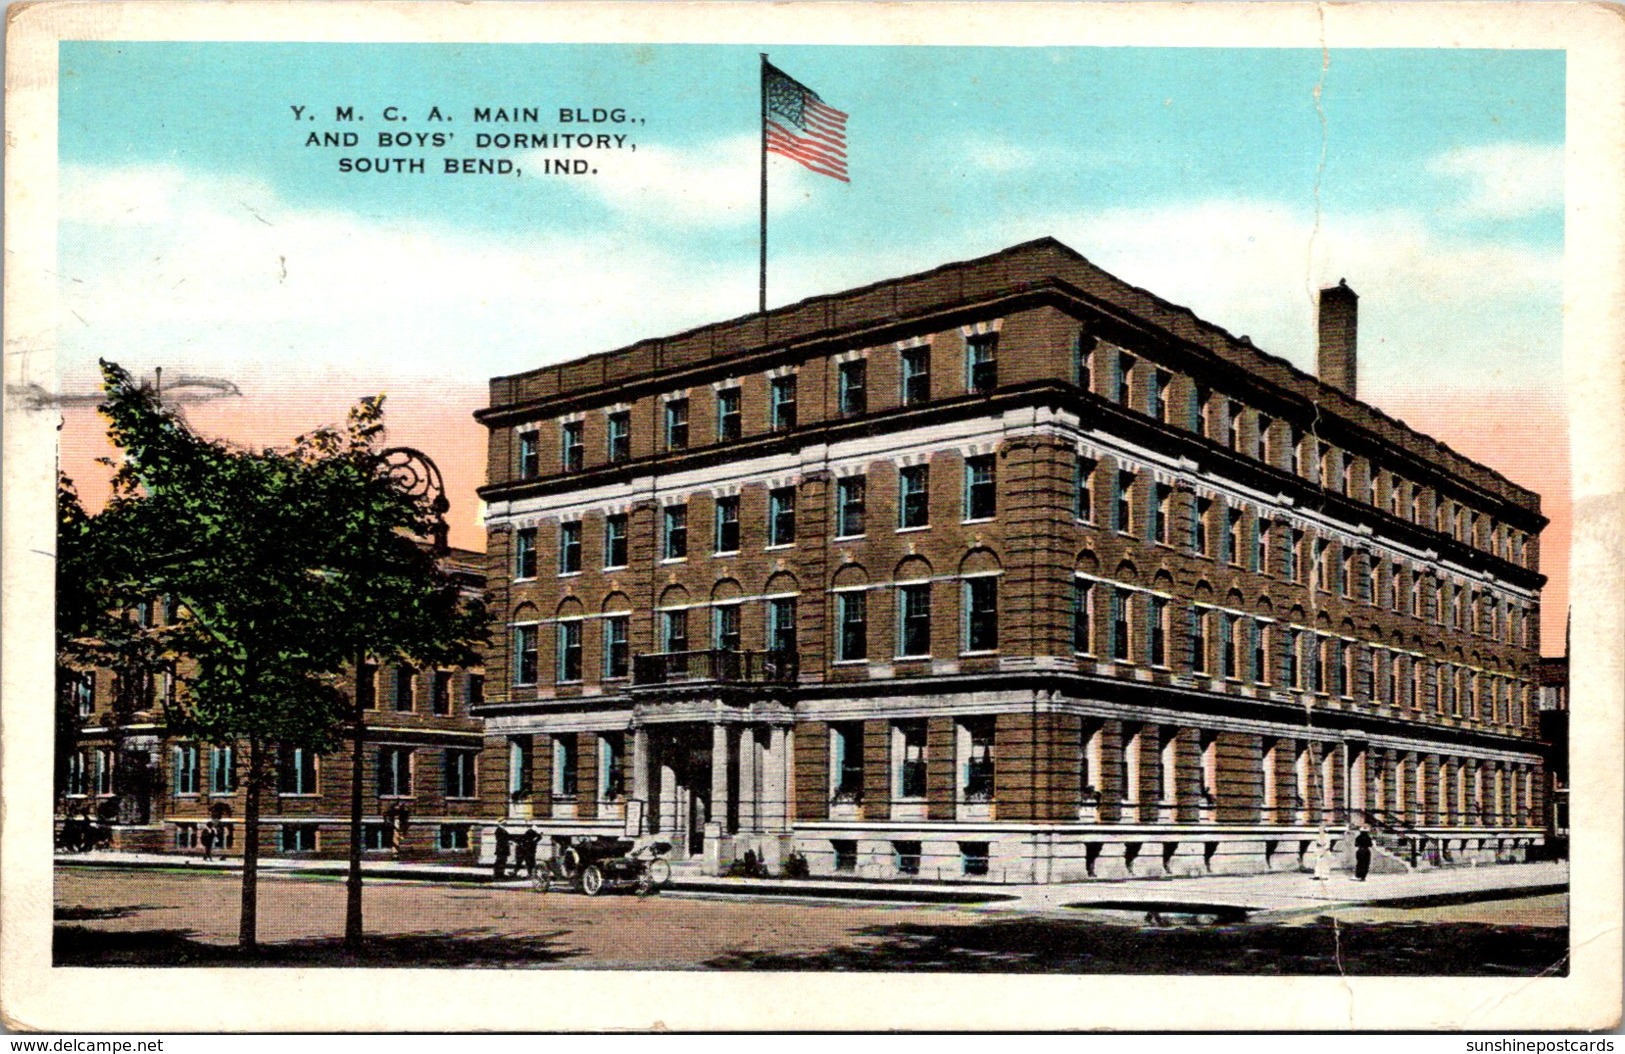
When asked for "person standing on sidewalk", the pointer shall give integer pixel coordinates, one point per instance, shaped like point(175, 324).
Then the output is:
point(207, 836)
point(1362, 854)
point(1323, 856)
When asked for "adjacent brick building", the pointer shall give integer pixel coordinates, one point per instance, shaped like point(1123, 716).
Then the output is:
point(158, 790)
point(1006, 569)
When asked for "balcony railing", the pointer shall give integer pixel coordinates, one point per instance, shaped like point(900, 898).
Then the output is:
point(718, 665)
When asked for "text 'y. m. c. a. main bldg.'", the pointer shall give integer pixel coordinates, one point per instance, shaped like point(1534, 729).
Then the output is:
point(1005, 569)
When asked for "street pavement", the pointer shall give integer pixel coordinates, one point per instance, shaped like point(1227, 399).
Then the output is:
point(1265, 896)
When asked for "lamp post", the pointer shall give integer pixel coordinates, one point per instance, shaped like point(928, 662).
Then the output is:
point(416, 475)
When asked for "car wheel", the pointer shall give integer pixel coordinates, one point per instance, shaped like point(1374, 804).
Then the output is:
point(542, 880)
point(592, 880)
point(659, 872)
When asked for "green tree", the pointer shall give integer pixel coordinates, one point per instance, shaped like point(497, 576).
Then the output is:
point(286, 564)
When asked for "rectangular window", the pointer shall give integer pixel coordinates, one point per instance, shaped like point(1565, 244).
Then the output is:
point(849, 507)
point(521, 751)
point(366, 686)
point(452, 836)
point(852, 387)
point(440, 692)
point(1231, 645)
point(296, 771)
point(914, 620)
point(846, 762)
point(377, 836)
point(981, 489)
point(186, 765)
point(1125, 379)
point(725, 627)
point(1157, 651)
point(781, 516)
point(982, 364)
point(82, 690)
point(615, 540)
point(460, 773)
point(565, 758)
point(676, 424)
point(846, 853)
point(1232, 536)
point(524, 655)
point(730, 425)
point(569, 650)
point(1349, 573)
point(78, 773)
point(1125, 491)
point(973, 858)
point(222, 771)
point(1232, 425)
point(530, 455)
point(1261, 545)
point(913, 496)
point(1201, 396)
point(572, 446)
point(1294, 652)
point(406, 686)
point(854, 641)
point(781, 624)
point(1161, 499)
point(1083, 604)
point(907, 857)
point(782, 393)
point(1121, 603)
point(982, 613)
point(619, 435)
point(1157, 395)
point(1292, 557)
point(524, 553)
point(1201, 512)
point(1083, 355)
point(1263, 447)
point(978, 743)
point(298, 838)
point(727, 524)
point(676, 631)
point(916, 364)
point(611, 766)
point(909, 741)
point(617, 650)
point(1261, 652)
point(1200, 621)
point(1083, 489)
point(675, 531)
point(569, 547)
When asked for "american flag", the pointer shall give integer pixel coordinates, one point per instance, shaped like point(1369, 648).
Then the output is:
point(800, 126)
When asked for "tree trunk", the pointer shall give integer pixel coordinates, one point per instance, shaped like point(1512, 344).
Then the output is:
point(247, 936)
point(352, 903)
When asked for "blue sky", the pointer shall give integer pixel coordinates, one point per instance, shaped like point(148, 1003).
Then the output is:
point(197, 229)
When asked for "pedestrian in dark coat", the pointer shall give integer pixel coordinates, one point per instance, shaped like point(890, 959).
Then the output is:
point(525, 857)
point(207, 835)
point(500, 869)
point(1362, 854)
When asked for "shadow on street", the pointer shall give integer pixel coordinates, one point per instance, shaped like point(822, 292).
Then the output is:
point(82, 946)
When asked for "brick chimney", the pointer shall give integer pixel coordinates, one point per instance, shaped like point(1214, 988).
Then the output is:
point(1339, 319)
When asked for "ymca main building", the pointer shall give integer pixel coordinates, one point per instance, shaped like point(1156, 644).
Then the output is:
point(1008, 571)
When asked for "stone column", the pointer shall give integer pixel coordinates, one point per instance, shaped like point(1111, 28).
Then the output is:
point(718, 813)
point(666, 800)
point(640, 776)
point(748, 812)
point(775, 792)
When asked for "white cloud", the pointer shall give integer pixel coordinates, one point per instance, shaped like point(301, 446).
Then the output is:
point(996, 155)
point(223, 276)
point(1505, 179)
point(161, 266)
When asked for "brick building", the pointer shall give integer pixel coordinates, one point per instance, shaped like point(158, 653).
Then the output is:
point(158, 790)
point(1007, 569)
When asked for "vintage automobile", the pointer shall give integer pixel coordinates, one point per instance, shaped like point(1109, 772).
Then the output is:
point(593, 865)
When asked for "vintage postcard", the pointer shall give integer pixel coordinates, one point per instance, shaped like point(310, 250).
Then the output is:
point(647, 515)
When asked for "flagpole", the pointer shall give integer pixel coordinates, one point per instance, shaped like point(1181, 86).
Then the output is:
point(762, 302)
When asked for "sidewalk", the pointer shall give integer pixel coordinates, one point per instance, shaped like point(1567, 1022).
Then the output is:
point(1276, 895)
